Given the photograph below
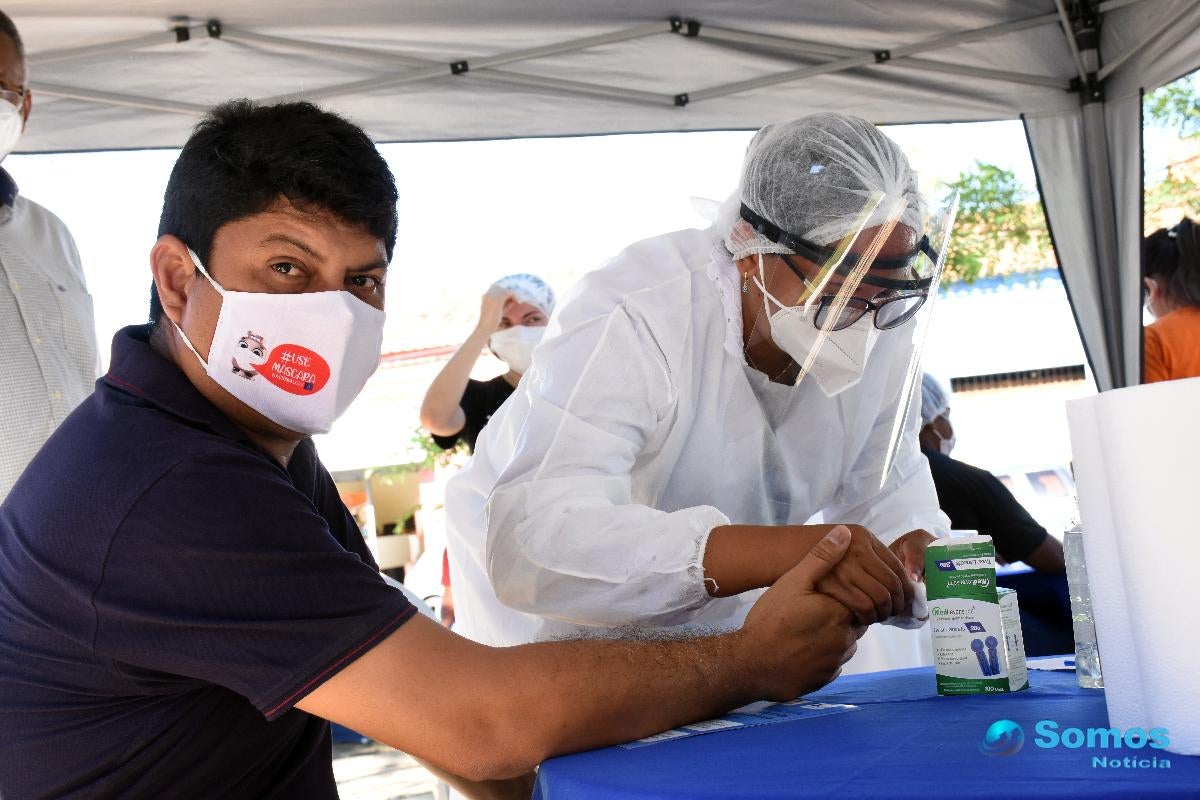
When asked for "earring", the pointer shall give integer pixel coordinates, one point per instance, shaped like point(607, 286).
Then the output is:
point(746, 283)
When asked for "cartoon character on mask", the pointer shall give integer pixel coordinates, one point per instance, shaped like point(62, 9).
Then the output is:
point(255, 354)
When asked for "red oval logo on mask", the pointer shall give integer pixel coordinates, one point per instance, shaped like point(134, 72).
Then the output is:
point(296, 369)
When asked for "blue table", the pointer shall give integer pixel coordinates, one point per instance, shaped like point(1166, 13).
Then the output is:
point(902, 741)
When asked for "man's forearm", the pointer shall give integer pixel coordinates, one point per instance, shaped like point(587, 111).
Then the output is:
point(661, 684)
point(494, 713)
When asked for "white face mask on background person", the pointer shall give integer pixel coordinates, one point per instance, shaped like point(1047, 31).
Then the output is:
point(514, 346)
point(11, 126)
point(297, 359)
point(842, 358)
point(945, 443)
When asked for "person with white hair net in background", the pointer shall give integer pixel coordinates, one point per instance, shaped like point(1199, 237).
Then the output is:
point(708, 404)
point(512, 318)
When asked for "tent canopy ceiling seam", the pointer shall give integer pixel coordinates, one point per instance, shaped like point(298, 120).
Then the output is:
point(426, 69)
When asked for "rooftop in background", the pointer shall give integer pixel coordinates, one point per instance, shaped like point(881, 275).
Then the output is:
point(1013, 323)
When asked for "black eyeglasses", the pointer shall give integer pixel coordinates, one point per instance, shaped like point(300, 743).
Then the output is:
point(823, 255)
point(890, 312)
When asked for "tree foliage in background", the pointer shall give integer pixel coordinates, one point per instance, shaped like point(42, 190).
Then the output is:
point(429, 452)
point(1174, 193)
point(1000, 227)
point(1175, 106)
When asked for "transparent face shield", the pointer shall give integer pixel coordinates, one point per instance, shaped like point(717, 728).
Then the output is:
point(848, 310)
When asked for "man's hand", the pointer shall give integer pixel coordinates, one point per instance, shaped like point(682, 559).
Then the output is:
point(870, 580)
point(910, 550)
point(795, 637)
point(491, 309)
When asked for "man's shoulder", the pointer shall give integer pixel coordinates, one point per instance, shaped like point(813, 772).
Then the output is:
point(28, 212)
point(944, 466)
point(116, 446)
point(40, 236)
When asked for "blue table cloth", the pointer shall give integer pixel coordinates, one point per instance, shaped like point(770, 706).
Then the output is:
point(902, 741)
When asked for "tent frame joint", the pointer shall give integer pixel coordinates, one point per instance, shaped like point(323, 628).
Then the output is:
point(213, 27)
point(685, 27)
point(883, 56)
point(181, 27)
point(1090, 92)
point(459, 67)
point(681, 99)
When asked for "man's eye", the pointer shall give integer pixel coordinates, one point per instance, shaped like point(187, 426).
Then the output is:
point(283, 268)
point(366, 281)
point(258, 352)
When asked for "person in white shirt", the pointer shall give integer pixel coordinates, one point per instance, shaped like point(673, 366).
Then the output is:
point(673, 447)
point(48, 354)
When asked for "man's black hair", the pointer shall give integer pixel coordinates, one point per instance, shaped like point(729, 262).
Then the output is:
point(242, 158)
point(10, 30)
point(1172, 257)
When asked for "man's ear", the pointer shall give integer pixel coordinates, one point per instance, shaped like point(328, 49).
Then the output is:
point(26, 106)
point(174, 272)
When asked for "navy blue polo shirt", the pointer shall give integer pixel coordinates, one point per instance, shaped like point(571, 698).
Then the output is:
point(168, 592)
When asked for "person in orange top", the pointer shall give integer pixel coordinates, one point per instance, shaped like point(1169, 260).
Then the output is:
point(1172, 341)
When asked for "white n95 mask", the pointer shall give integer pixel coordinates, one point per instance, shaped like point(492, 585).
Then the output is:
point(842, 358)
point(11, 125)
point(514, 346)
point(297, 359)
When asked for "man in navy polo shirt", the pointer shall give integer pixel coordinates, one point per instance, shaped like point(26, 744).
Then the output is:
point(185, 600)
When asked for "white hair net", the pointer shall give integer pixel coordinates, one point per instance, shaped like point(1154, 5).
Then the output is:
point(812, 177)
point(530, 289)
point(935, 400)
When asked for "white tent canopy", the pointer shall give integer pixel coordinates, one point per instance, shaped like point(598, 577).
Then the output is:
point(132, 75)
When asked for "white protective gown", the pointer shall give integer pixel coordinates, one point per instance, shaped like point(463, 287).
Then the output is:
point(639, 429)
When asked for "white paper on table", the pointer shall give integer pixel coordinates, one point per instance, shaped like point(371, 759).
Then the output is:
point(1137, 463)
point(1118, 655)
point(1052, 663)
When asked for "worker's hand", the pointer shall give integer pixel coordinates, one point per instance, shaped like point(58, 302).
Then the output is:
point(796, 639)
point(870, 580)
point(910, 549)
point(491, 308)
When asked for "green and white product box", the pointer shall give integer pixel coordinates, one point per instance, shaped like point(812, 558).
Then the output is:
point(975, 625)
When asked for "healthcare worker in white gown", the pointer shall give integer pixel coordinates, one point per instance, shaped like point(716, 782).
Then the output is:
point(660, 463)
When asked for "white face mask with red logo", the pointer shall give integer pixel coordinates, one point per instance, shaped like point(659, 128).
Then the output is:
point(297, 359)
